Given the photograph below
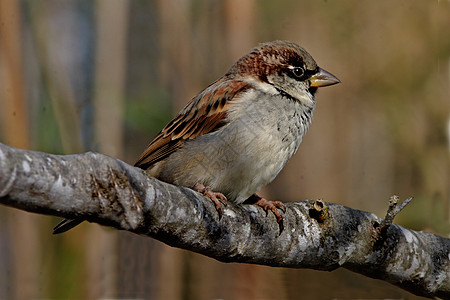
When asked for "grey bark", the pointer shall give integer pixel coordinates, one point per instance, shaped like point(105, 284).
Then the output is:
point(317, 235)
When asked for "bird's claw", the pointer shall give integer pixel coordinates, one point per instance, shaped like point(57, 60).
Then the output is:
point(273, 206)
point(217, 198)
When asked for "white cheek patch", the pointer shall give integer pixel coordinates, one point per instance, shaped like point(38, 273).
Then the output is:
point(306, 98)
point(262, 86)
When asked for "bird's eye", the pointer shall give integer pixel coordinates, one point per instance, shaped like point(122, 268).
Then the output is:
point(297, 72)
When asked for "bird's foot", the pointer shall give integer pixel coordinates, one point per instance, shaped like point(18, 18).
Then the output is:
point(267, 205)
point(216, 198)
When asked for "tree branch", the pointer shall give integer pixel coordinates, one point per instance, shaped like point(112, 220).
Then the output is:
point(317, 235)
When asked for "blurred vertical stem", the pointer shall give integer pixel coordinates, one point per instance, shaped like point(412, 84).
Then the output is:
point(110, 74)
point(240, 26)
point(57, 74)
point(20, 234)
point(175, 42)
point(14, 114)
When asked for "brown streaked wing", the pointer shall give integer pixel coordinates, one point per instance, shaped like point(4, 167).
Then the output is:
point(204, 114)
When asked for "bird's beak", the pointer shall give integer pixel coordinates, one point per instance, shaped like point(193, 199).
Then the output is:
point(323, 78)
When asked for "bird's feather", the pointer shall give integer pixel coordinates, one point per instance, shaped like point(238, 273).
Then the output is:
point(205, 113)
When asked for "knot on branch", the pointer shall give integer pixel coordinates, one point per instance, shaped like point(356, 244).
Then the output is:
point(319, 211)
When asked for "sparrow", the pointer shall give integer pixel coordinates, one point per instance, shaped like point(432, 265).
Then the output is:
point(236, 135)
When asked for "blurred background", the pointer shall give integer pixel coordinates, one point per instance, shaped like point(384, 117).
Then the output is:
point(107, 75)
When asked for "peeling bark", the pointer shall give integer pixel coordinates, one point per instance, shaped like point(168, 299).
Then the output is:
point(317, 235)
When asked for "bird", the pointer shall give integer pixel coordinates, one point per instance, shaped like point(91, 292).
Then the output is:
point(236, 135)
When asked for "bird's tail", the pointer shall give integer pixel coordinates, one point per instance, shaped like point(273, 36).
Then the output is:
point(66, 224)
